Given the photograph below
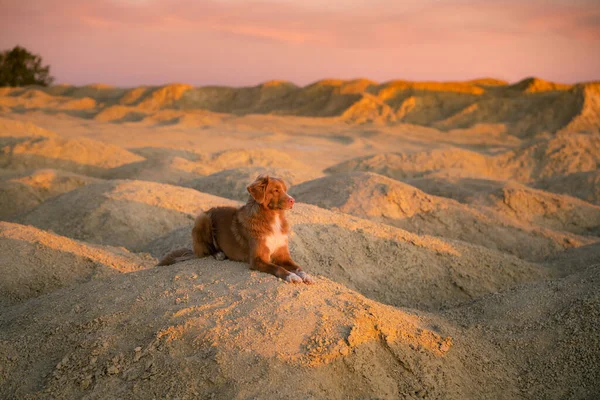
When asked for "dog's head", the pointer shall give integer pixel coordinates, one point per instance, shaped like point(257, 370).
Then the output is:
point(271, 193)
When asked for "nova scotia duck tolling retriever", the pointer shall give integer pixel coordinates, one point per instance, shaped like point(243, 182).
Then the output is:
point(256, 233)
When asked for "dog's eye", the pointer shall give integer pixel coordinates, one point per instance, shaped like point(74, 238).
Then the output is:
point(276, 190)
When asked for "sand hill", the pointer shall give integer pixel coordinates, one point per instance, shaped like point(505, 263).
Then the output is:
point(75, 155)
point(21, 192)
point(47, 262)
point(537, 325)
point(232, 183)
point(14, 128)
point(585, 185)
point(537, 159)
point(120, 213)
point(453, 231)
point(325, 341)
point(401, 205)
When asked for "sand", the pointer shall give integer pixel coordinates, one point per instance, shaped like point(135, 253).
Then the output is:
point(453, 229)
point(22, 192)
point(47, 262)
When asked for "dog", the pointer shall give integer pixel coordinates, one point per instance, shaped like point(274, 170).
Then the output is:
point(256, 233)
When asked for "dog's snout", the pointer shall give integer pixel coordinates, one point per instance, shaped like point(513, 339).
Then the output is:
point(291, 201)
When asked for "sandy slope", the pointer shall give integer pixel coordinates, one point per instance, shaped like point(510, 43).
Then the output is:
point(21, 192)
point(47, 262)
point(549, 332)
point(232, 183)
point(206, 336)
point(76, 155)
point(515, 219)
point(533, 160)
point(585, 185)
point(120, 213)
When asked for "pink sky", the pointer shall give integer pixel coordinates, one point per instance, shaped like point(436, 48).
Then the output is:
point(237, 42)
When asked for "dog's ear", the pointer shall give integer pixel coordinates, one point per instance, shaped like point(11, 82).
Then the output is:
point(258, 188)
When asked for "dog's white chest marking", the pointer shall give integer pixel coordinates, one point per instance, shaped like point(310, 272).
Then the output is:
point(276, 239)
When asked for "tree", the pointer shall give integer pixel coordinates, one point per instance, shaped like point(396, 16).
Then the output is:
point(19, 67)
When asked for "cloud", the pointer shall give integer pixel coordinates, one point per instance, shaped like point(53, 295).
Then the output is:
point(380, 24)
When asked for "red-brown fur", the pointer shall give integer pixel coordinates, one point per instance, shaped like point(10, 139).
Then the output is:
point(256, 233)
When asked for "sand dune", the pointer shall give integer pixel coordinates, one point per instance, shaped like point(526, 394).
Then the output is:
point(16, 129)
point(120, 213)
point(548, 331)
point(553, 211)
point(48, 262)
point(75, 155)
point(556, 156)
point(205, 337)
point(385, 200)
point(232, 183)
point(236, 168)
point(174, 170)
point(585, 185)
point(537, 159)
point(21, 192)
point(253, 158)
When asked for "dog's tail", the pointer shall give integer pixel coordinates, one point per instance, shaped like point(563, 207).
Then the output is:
point(202, 239)
point(176, 256)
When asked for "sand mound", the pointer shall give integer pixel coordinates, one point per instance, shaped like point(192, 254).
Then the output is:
point(574, 260)
point(175, 170)
point(238, 168)
point(463, 190)
point(100, 92)
point(269, 158)
point(585, 185)
point(380, 199)
point(440, 162)
point(205, 336)
point(75, 155)
point(554, 211)
point(537, 159)
point(118, 113)
point(84, 103)
point(184, 119)
point(161, 97)
point(488, 82)
point(232, 183)
point(386, 263)
point(535, 85)
point(545, 158)
point(588, 118)
point(13, 128)
point(21, 193)
point(166, 152)
point(47, 262)
point(121, 213)
point(549, 331)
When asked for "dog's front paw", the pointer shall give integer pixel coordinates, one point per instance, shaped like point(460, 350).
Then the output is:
point(293, 278)
point(306, 278)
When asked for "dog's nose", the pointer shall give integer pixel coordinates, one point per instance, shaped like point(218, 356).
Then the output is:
point(291, 201)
